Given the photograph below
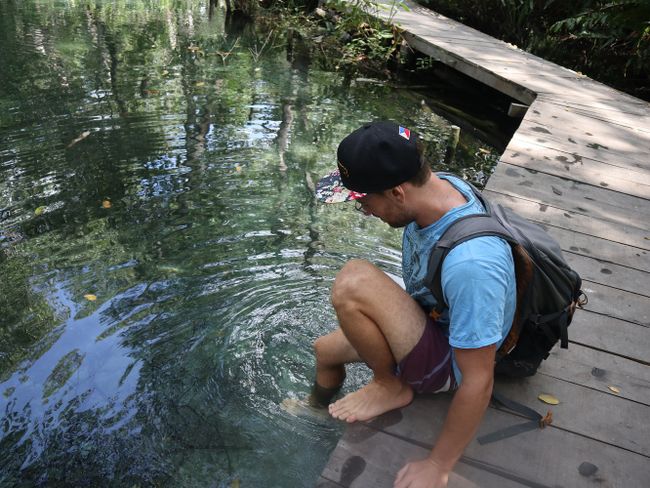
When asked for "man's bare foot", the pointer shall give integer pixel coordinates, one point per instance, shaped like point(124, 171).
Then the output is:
point(372, 400)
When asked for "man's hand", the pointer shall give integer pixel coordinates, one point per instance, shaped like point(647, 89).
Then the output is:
point(464, 416)
point(422, 474)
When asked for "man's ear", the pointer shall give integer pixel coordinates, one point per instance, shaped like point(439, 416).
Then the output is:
point(398, 194)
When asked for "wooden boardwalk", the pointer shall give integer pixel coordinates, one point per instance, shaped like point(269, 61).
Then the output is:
point(580, 165)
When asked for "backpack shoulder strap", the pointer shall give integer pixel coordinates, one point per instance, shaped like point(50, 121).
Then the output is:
point(462, 230)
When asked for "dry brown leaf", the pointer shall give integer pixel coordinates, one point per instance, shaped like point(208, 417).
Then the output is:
point(615, 389)
point(547, 420)
point(550, 399)
point(107, 204)
point(90, 297)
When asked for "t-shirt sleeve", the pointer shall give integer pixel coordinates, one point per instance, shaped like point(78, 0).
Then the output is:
point(475, 285)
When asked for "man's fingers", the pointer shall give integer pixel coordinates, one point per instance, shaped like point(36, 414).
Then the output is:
point(400, 476)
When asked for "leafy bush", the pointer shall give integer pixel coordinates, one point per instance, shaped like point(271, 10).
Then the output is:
point(608, 40)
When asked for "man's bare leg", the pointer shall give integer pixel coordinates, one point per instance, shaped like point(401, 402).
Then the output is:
point(383, 324)
point(333, 351)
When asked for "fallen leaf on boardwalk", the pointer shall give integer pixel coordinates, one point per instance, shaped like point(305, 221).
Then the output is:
point(81, 137)
point(547, 420)
point(39, 210)
point(550, 399)
point(107, 204)
point(90, 297)
point(614, 389)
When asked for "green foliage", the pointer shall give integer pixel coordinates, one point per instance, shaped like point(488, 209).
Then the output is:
point(608, 40)
point(363, 37)
point(622, 26)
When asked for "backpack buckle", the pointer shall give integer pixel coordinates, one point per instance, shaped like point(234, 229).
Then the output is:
point(582, 300)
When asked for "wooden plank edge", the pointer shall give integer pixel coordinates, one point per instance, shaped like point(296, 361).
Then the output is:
point(634, 240)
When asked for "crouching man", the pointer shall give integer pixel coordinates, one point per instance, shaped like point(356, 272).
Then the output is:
point(381, 168)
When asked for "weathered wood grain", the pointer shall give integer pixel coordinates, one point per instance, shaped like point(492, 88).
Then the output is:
point(614, 104)
point(626, 152)
point(456, 61)
point(574, 167)
point(597, 370)
point(549, 457)
point(366, 457)
point(627, 114)
point(619, 304)
point(611, 334)
point(597, 123)
point(583, 411)
point(592, 201)
point(609, 274)
point(601, 249)
point(543, 213)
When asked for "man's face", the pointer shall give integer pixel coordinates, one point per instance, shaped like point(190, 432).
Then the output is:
point(380, 205)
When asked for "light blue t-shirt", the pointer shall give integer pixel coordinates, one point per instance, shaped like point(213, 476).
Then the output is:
point(478, 279)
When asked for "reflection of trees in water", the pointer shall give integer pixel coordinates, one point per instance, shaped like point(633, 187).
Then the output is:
point(82, 448)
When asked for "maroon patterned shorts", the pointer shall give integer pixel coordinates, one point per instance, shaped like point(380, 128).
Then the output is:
point(428, 367)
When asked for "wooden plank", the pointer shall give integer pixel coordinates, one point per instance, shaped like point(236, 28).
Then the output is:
point(596, 129)
point(549, 457)
point(624, 115)
point(629, 152)
point(590, 368)
point(366, 457)
point(609, 274)
point(572, 92)
point(601, 249)
point(473, 70)
point(543, 213)
point(574, 119)
point(528, 139)
point(586, 412)
point(616, 303)
point(611, 334)
point(598, 97)
point(638, 372)
point(574, 167)
point(593, 201)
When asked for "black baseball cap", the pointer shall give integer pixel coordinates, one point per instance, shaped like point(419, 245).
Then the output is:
point(375, 157)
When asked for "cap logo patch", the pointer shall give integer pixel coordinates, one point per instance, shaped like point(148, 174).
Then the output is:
point(405, 133)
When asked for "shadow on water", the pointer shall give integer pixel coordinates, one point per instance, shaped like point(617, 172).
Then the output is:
point(164, 266)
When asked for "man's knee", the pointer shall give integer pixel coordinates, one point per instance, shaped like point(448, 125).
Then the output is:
point(351, 282)
point(320, 349)
point(327, 351)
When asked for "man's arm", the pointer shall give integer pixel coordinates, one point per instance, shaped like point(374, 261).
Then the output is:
point(462, 422)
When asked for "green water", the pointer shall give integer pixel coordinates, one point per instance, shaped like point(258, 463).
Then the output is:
point(164, 268)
